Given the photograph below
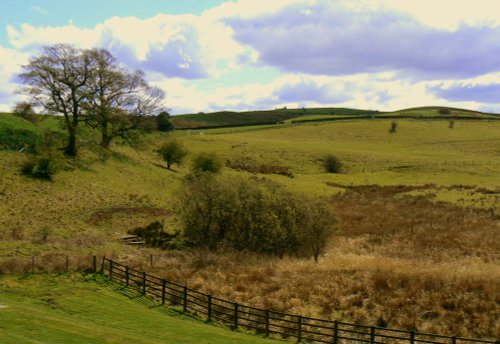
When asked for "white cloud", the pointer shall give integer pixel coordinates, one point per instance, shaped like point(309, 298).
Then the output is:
point(178, 50)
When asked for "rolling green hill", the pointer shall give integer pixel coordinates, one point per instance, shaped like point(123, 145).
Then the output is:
point(228, 118)
point(418, 212)
point(80, 309)
point(231, 119)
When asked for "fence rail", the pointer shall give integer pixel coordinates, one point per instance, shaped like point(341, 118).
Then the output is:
point(265, 321)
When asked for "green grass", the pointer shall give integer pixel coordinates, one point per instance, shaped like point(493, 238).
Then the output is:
point(84, 309)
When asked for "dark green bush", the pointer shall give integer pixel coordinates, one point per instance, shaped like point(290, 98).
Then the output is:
point(44, 165)
point(17, 139)
point(163, 122)
point(173, 152)
point(207, 162)
point(155, 235)
point(254, 215)
point(332, 164)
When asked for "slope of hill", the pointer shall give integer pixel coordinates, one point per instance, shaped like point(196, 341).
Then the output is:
point(229, 118)
point(79, 309)
point(418, 212)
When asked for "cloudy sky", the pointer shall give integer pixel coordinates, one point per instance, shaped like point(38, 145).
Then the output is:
point(261, 54)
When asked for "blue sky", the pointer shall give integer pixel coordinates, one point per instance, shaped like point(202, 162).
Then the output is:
point(259, 54)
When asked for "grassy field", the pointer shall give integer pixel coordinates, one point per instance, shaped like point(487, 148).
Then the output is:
point(418, 208)
point(80, 309)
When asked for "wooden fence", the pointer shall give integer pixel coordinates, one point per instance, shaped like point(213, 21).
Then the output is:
point(263, 321)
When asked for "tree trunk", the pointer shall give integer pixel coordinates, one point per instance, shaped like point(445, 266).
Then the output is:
point(71, 149)
point(105, 141)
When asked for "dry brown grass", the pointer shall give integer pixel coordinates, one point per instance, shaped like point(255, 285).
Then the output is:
point(402, 261)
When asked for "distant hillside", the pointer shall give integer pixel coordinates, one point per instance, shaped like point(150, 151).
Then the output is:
point(231, 118)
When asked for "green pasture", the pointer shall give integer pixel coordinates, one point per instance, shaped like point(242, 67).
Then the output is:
point(85, 309)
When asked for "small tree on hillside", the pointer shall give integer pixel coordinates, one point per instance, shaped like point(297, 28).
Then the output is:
point(173, 152)
point(320, 224)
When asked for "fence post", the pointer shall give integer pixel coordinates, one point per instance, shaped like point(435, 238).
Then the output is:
point(185, 299)
point(67, 263)
point(454, 340)
point(235, 316)
point(299, 329)
point(151, 260)
point(267, 322)
point(412, 336)
point(126, 276)
point(111, 269)
point(94, 263)
point(102, 264)
point(335, 332)
point(372, 335)
point(163, 291)
point(144, 275)
point(209, 310)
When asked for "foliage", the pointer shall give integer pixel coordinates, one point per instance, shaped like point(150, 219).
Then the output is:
point(163, 122)
point(43, 165)
point(18, 139)
point(207, 162)
point(394, 127)
point(44, 157)
point(173, 152)
point(332, 164)
point(155, 235)
point(56, 81)
point(26, 111)
point(117, 99)
point(90, 85)
point(254, 215)
point(444, 111)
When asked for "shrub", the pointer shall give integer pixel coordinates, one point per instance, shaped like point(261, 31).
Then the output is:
point(444, 111)
point(451, 125)
point(17, 139)
point(44, 165)
point(173, 152)
point(207, 162)
point(332, 164)
point(252, 215)
point(154, 235)
point(163, 122)
point(394, 127)
point(26, 111)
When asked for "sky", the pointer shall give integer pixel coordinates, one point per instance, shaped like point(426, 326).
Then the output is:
point(210, 55)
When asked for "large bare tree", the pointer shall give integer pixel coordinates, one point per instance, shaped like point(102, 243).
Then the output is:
point(90, 84)
point(118, 99)
point(57, 82)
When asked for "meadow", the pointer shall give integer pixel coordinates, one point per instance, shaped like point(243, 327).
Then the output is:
point(72, 308)
point(420, 238)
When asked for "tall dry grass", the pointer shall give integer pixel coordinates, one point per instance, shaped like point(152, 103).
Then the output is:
point(401, 262)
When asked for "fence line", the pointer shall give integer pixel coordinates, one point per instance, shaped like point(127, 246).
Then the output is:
point(48, 263)
point(265, 321)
